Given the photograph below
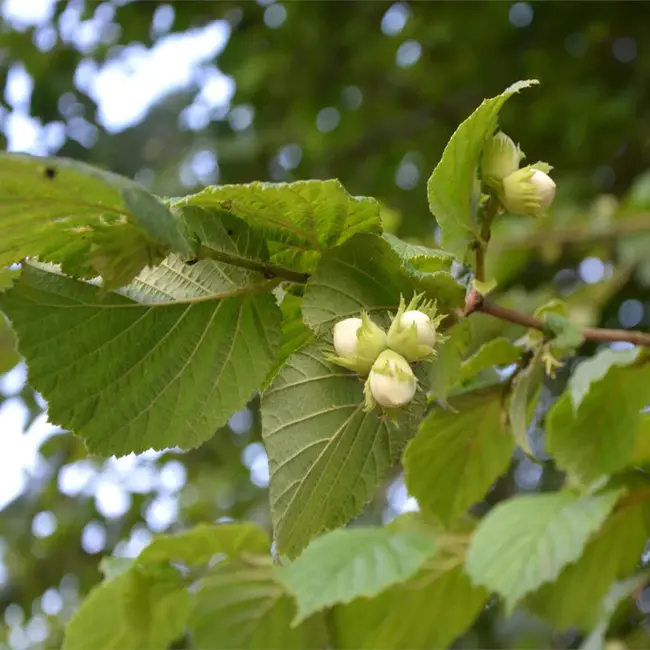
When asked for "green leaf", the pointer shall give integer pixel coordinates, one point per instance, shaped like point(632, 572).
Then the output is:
point(157, 608)
point(641, 455)
point(452, 188)
point(553, 309)
point(90, 221)
point(574, 599)
point(112, 566)
point(527, 540)
point(497, 352)
point(126, 375)
point(200, 544)
point(593, 370)
point(429, 611)
point(222, 232)
point(456, 456)
point(326, 455)
point(7, 277)
point(295, 334)
point(567, 336)
point(239, 250)
point(9, 356)
point(130, 611)
point(241, 605)
point(420, 258)
point(614, 597)
point(523, 398)
point(445, 369)
point(592, 429)
point(348, 564)
point(299, 220)
point(365, 273)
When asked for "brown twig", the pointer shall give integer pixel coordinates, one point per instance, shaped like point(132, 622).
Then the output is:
point(475, 302)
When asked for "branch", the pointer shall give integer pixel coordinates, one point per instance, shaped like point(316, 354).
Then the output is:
point(489, 212)
point(267, 269)
point(580, 234)
point(479, 271)
point(475, 302)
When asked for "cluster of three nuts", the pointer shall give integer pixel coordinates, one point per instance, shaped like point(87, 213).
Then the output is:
point(386, 357)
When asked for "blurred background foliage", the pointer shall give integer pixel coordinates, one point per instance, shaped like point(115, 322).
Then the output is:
point(186, 94)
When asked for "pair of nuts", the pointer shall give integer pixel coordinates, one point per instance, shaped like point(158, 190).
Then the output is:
point(526, 191)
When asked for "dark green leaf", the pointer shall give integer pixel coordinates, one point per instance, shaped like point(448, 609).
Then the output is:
point(299, 220)
point(526, 541)
point(365, 273)
point(90, 221)
point(295, 333)
point(126, 375)
point(224, 233)
point(326, 455)
point(456, 456)
point(420, 258)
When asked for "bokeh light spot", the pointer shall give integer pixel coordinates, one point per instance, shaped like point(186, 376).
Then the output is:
point(521, 14)
point(630, 313)
point(328, 119)
point(44, 524)
point(275, 15)
point(408, 54)
point(394, 19)
point(624, 49)
point(592, 270)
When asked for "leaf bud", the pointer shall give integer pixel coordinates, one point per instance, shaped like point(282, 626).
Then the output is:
point(501, 157)
point(391, 382)
point(528, 191)
point(357, 342)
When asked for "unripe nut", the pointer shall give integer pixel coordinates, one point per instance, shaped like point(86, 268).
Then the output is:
point(357, 343)
point(527, 191)
point(501, 157)
point(392, 382)
point(425, 327)
point(345, 336)
point(545, 188)
point(412, 333)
